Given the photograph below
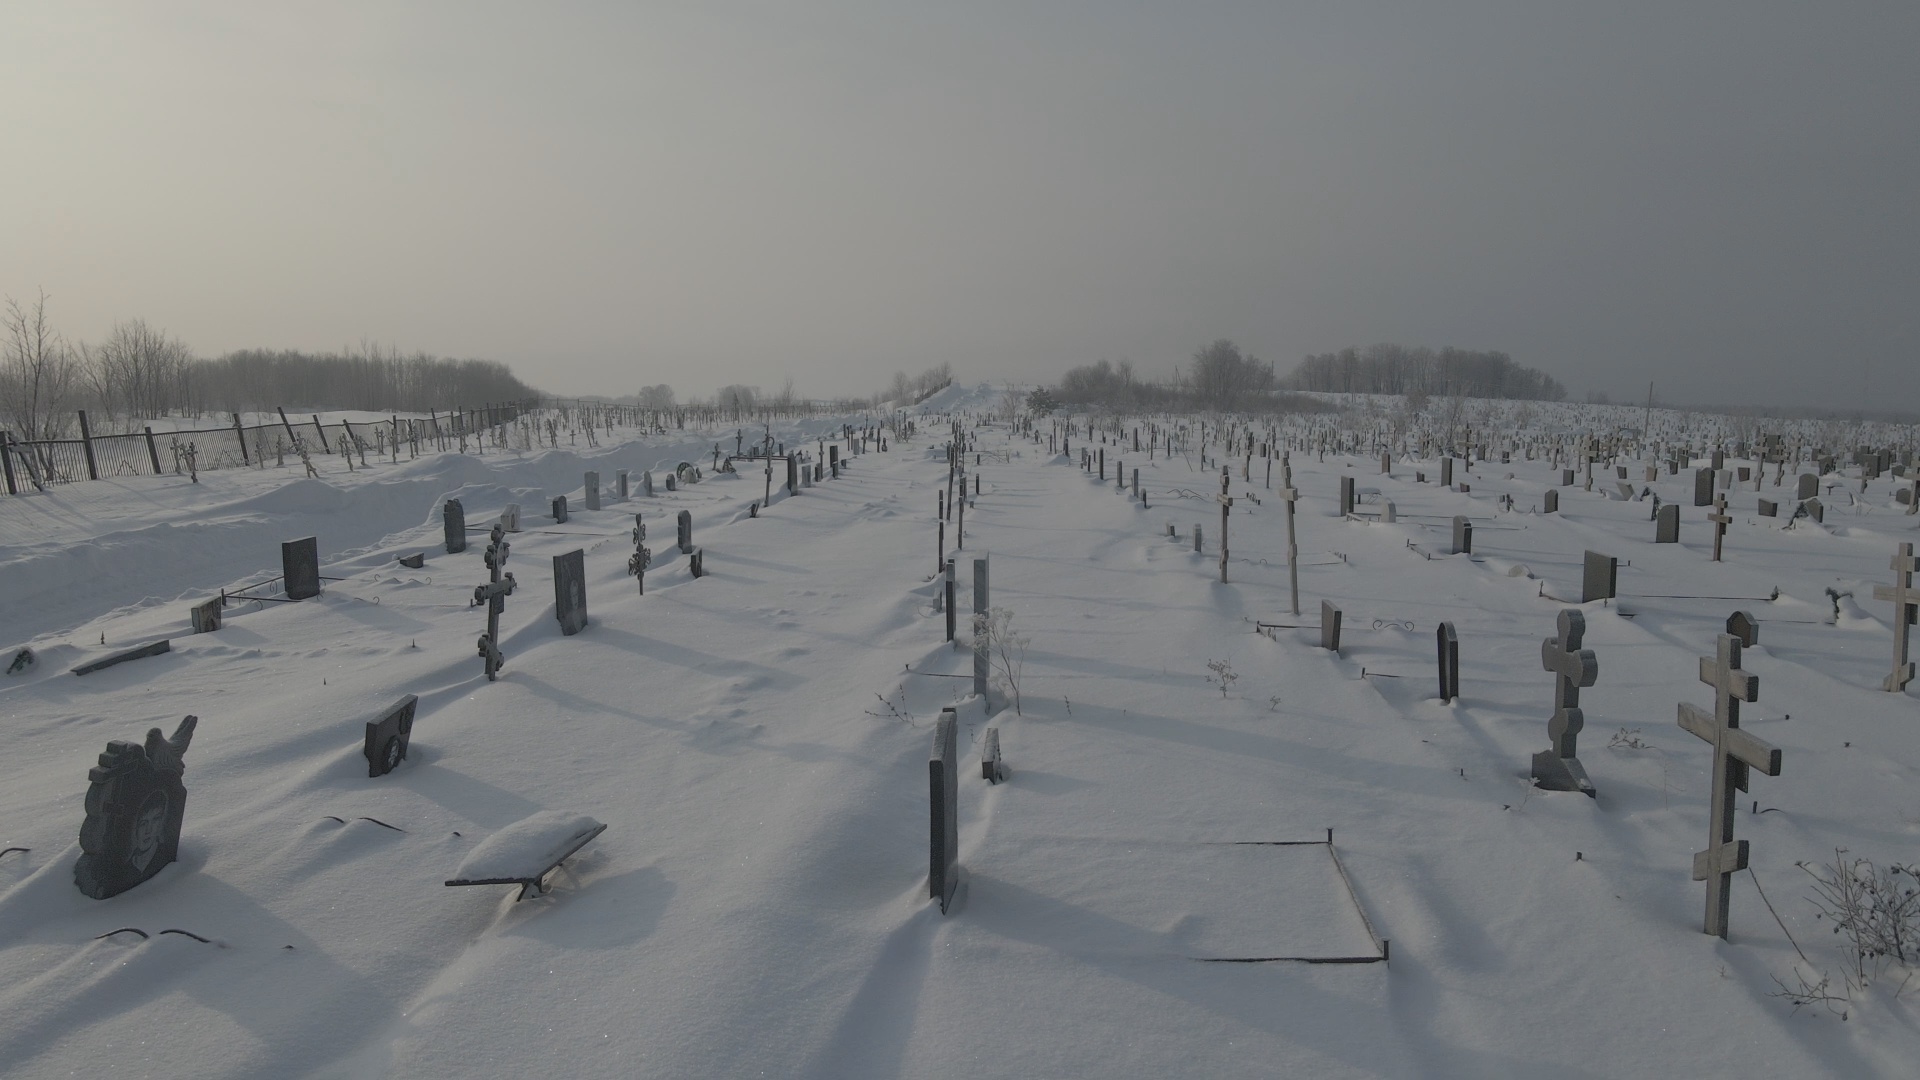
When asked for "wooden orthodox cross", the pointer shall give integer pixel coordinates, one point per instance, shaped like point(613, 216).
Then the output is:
point(1734, 752)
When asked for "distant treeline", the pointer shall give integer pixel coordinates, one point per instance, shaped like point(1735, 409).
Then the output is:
point(1421, 372)
point(1221, 377)
point(259, 379)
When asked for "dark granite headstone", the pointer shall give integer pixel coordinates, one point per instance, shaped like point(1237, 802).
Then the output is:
point(560, 509)
point(793, 474)
point(685, 534)
point(1743, 625)
point(1550, 504)
point(1815, 510)
point(1446, 472)
point(135, 803)
point(1449, 655)
point(300, 568)
point(414, 561)
point(943, 784)
point(570, 591)
point(620, 485)
point(1666, 524)
point(1809, 487)
point(1346, 495)
point(206, 615)
point(646, 483)
point(1566, 477)
point(697, 562)
point(1462, 535)
point(992, 769)
point(1329, 627)
point(1703, 487)
point(592, 490)
point(1719, 460)
point(670, 482)
point(1769, 508)
point(453, 517)
point(389, 737)
point(1599, 577)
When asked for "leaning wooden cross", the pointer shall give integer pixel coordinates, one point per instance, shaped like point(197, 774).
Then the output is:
point(1734, 751)
point(1904, 598)
point(1721, 519)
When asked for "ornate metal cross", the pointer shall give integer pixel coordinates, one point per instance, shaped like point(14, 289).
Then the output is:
point(1904, 598)
point(1734, 751)
point(1558, 768)
point(494, 594)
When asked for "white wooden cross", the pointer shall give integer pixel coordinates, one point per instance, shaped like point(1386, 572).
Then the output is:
point(1734, 752)
point(1903, 596)
point(1288, 494)
point(1721, 519)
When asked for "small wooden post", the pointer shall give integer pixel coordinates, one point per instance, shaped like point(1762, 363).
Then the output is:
point(153, 453)
point(86, 442)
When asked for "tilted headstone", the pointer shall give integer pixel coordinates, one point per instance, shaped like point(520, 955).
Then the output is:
point(1449, 653)
point(943, 788)
point(1815, 509)
point(1462, 535)
point(560, 509)
point(300, 568)
point(591, 489)
point(1666, 524)
point(1809, 487)
point(206, 615)
point(1769, 508)
point(697, 562)
point(1599, 577)
point(1906, 605)
point(1550, 503)
point(1742, 625)
point(992, 769)
point(135, 804)
point(1558, 768)
point(570, 591)
point(685, 531)
point(389, 737)
point(1703, 487)
point(1347, 500)
point(153, 648)
point(1734, 752)
point(453, 518)
point(1329, 627)
point(510, 518)
point(414, 561)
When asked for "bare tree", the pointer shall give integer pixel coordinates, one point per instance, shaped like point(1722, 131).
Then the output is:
point(140, 371)
point(39, 379)
point(658, 398)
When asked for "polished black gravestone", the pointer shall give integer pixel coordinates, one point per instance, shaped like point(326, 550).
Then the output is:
point(136, 802)
point(560, 509)
point(685, 535)
point(1449, 654)
point(1703, 487)
point(1742, 625)
point(1599, 578)
point(1446, 472)
point(1558, 768)
point(300, 568)
point(570, 591)
point(1666, 524)
point(206, 615)
point(943, 785)
point(389, 737)
point(1550, 504)
point(453, 518)
point(1347, 500)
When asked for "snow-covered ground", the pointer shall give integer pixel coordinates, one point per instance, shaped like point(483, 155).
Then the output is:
point(756, 741)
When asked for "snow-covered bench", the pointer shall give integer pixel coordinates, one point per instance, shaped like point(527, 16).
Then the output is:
point(525, 852)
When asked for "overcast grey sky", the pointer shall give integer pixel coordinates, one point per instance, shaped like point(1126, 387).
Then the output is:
point(1724, 198)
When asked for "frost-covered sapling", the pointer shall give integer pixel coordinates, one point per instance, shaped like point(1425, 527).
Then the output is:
point(1005, 648)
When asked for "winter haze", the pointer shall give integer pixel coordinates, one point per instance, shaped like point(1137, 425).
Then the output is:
point(1717, 197)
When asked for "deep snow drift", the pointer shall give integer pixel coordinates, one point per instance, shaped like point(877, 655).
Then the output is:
point(756, 742)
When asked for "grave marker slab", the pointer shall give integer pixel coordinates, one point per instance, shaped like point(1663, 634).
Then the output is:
point(943, 787)
point(300, 568)
point(1666, 524)
point(1347, 500)
point(1742, 625)
point(1449, 654)
point(992, 769)
point(560, 509)
point(570, 591)
point(1329, 627)
point(135, 805)
point(1809, 487)
point(1558, 768)
point(414, 561)
point(1769, 508)
point(1599, 577)
point(206, 615)
point(697, 562)
point(620, 485)
point(1703, 487)
point(453, 519)
point(1462, 535)
point(684, 525)
point(389, 737)
point(1734, 752)
point(1550, 504)
point(154, 648)
point(591, 490)
point(510, 518)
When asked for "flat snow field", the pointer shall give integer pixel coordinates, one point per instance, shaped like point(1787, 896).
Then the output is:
point(756, 741)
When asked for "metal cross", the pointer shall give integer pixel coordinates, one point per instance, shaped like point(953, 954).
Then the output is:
point(1558, 768)
point(494, 594)
point(1734, 751)
point(1721, 519)
point(1904, 598)
point(1288, 494)
point(1226, 507)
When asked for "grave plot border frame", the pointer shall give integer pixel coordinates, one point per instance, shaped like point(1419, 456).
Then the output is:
point(1382, 945)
